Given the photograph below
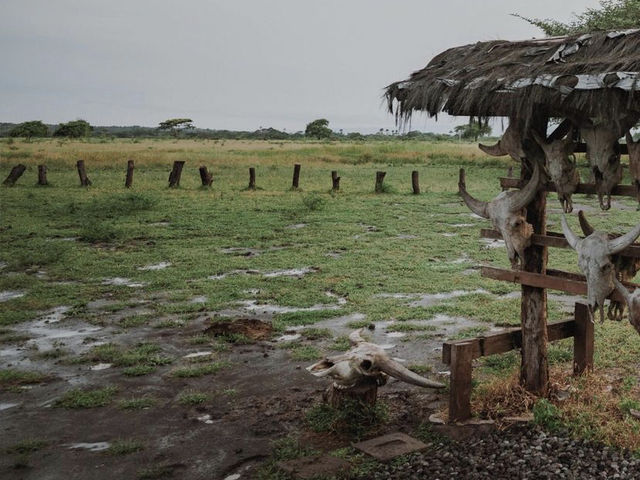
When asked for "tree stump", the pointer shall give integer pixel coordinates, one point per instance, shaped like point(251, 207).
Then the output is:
point(14, 175)
point(296, 177)
point(82, 173)
point(365, 393)
point(379, 181)
point(176, 173)
point(335, 181)
point(42, 175)
point(415, 183)
point(129, 180)
point(205, 176)
point(252, 178)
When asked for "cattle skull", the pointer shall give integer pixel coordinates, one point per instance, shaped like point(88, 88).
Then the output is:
point(604, 158)
point(507, 214)
point(365, 361)
point(510, 144)
point(625, 268)
point(561, 166)
point(633, 302)
point(594, 261)
point(634, 162)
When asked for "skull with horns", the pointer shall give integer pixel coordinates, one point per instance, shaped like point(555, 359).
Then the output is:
point(507, 214)
point(594, 261)
point(366, 361)
point(509, 144)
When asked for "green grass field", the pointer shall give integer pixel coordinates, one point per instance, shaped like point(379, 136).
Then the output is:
point(63, 245)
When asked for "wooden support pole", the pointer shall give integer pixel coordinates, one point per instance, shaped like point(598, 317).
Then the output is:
point(582, 340)
point(415, 183)
point(129, 180)
point(15, 173)
point(176, 173)
point(460, 383)
point(82, 173)
point(296, 177)
point(335, 181)
point(42, 175)
point(205, 176)
point(252, 178)
point(379, 181)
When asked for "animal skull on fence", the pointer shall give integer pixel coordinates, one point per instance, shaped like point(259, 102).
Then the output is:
point(363, 362)
point(507, 213)
point(594, 261)
point(633, 302)
point(509, 144)
point(625, 269)
point(634, 162)
point(562, 168)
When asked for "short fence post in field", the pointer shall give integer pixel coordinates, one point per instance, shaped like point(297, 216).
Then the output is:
point(82, 173)
point(335, 181)
point(582, 340)
point(42, 175)
point(460, 383)
point(205, 176)
point(252, 178)
point(415, 183)
point(296, 177)
point(15, 173)
point(379, 180)
point(129, 180)
point(176, 173)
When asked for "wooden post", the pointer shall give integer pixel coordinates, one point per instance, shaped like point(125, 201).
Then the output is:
point(296, 176)
point(509, 175)
point(15, 173)
point(415, 183)
point(534, 369)
point(176, 173)
point(365, 393)
point(129, 180)
point(582, 340)
point(42, 175)
point(252, 178)
point(205, 176)
point(335, 181)
point(82, 173)
point(460, 382)
point(379, 181)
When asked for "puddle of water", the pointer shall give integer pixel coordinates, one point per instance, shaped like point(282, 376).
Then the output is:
point(492, 243)
point(3, 265)
point(396, 334)
point(406, 237)
point(158, 224)
point(157, 266)
point(288, 337)
point(7, 406)
point(62, 239)
point(432, 298)
point(119, 281)
point(251, 291)
point(253, 306)
point(292, 272)
point(233, 272)
point(198, 299)
point(206, 418)
point(100, 366)
point(92, 447)
point(55, 314)
point(463, 225)
point(7, 295)
point(473, 215)
point(296, 226)
point(449, 234)
point(235, 476)
point(369, 228)
point(197, 354)
point(333, 254)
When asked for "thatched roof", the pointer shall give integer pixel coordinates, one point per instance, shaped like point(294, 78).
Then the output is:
point(595, 75)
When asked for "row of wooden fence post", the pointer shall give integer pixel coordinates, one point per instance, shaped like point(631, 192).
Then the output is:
point(205, 176)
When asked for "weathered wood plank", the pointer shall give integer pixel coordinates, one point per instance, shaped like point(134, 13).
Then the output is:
point(582, 340)
point(588, 188)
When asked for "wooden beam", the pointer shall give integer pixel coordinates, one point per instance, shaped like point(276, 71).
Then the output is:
point(588, 188)
point(557, 240)
point(582, 148)
point(507, 340)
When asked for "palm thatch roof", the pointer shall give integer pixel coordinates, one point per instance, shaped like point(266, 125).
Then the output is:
point(594, 75)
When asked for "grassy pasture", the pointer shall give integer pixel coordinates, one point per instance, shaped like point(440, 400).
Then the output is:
point(64, 245)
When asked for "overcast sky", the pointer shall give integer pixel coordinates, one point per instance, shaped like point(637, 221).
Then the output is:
point(236, 64)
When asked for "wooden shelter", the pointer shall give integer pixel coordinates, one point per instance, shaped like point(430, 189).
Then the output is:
point(589, 77)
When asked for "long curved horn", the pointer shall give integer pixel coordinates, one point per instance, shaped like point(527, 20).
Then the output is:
point(586, 227)
point(355, 337)
point(622, 242)
point(623, 291)
point(522, 198)
point(539, 140)
point(476, 206)
point(493, 150)
point(400, 372)
point(571, 237)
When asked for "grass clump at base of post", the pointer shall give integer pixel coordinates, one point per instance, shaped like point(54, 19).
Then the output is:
point(353, 419)
point(78, 398)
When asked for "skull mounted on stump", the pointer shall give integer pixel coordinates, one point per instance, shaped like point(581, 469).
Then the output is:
point(357, 373)
point(625, 269)
point(507, 213)
point(561, 165)
point(594, 261)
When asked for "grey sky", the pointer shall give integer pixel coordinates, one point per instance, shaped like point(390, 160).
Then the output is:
point(236, 64)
